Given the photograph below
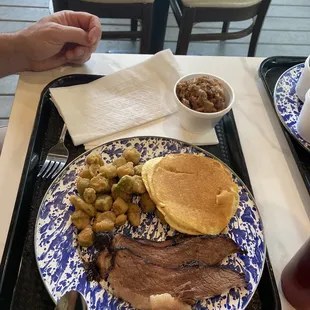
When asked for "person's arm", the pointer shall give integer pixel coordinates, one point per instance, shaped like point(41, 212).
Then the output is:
point(11, 58)
point(64, 37)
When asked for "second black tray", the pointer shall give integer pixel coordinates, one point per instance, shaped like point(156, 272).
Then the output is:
point(21, 286)
point(270, 70)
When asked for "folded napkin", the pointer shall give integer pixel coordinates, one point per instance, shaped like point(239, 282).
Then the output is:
point(168, 126)
point(119, 101)
point(303, 83)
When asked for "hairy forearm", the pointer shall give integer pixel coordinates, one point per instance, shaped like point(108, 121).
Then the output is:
point(12, 58)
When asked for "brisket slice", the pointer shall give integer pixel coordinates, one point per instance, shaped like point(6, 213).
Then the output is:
point(135, 280)
point(205, 249)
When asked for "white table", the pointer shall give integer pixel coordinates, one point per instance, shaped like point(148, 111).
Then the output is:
point(280, 193)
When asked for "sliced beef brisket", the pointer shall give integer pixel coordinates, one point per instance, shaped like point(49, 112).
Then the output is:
point(134, 280)
point(209, 250)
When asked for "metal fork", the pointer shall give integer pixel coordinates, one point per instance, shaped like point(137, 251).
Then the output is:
point(56, 158)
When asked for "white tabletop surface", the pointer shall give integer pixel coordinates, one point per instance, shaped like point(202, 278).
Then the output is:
point(281, 195)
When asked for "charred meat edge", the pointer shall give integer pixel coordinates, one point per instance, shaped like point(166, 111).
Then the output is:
point(185, 286)
point(106, 240)
point(209, 251)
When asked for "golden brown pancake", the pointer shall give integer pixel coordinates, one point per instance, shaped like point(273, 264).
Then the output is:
point(196, 194)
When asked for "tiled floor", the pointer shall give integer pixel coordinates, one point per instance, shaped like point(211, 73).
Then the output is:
point(286, 31)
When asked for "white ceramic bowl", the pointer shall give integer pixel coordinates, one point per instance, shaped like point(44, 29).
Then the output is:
point(194, 121)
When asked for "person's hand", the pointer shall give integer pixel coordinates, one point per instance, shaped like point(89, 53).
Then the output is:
point(64, 37)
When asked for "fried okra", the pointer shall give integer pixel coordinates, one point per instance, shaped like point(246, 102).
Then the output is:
point(97, 187)
point(126, 169)
point(81, 185)
point(131, 184)
point(133, 208)
point(103, 226)
point(120, 220)
point(146, 203)
point(94, 169)
point(89, 195)
point(100, 216)
point(80, 219)
point(131, 154)
point(134, 218)
point(138, 186)
point(103, 203)
point(85, 173)
point(120, 206)
point(104, 221)
point(133, 214)
point(117, 192)
point(80, 204)
point(100, 184)
point(125, 184)
point(138, 169)
point(119, 161)
point(94, 158)
point(86, 237)
point(108, 171)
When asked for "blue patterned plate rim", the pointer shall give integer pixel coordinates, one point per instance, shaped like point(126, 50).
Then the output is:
point(292, 132)
point(62, 173)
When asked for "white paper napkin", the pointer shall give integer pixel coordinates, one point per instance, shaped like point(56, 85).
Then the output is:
point(304, 81)
point(119, 101)
point(168, 126)
point(303, 122)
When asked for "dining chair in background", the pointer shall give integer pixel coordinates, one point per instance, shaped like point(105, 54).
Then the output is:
point(190, 12)
point(130, 9)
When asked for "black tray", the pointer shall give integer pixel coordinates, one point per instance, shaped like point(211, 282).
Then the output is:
point(270, 70)
point(21, 286)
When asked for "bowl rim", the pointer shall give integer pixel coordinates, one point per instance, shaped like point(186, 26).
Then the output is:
point(197, 113)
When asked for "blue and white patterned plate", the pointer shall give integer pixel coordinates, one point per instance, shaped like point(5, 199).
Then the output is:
point(287, 104)
point(60, 259)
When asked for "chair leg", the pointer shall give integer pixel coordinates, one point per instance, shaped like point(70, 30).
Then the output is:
point(225, 27)
point(134, 27)
point(60, 5)
point(258, 26)
point(146, 28)
point(186, 26)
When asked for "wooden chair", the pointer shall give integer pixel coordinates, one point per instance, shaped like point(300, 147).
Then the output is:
point(190, 12)
point(130, 9)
